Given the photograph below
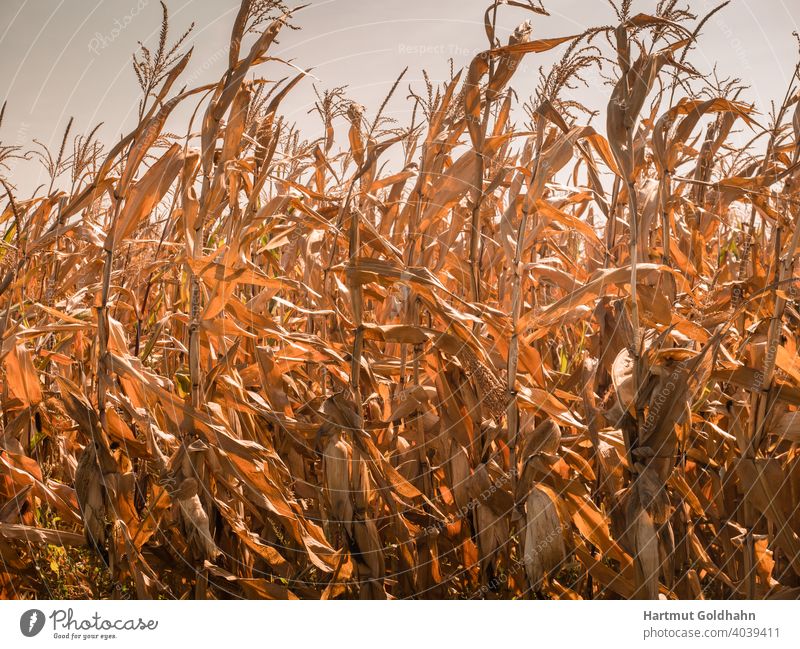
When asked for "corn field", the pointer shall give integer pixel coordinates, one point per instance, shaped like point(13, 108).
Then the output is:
point(509, 349)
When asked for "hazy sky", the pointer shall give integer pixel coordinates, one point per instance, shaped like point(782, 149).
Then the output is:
point(62, 58)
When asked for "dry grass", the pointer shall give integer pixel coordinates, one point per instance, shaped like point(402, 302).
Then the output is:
point(540, 360)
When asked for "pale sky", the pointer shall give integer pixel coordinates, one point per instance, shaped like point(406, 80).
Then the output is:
point(62, 58)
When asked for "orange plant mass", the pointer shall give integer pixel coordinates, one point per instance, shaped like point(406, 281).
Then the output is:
point(504, 350)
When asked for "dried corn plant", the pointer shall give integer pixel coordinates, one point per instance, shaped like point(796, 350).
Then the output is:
point(547, 360)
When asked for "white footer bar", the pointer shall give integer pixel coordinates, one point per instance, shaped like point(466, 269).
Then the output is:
point(400, 624)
